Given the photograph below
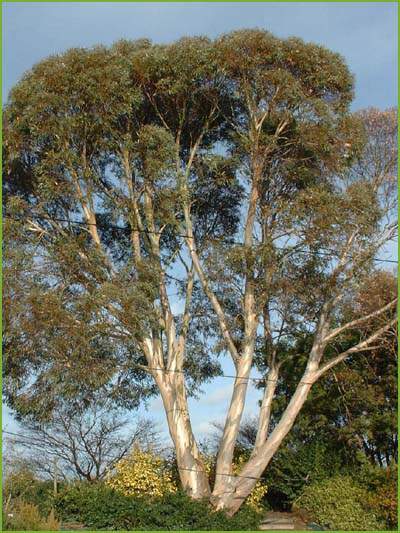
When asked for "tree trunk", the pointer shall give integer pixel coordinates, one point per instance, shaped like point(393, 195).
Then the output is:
point(223, 481)
point(266, 407)
point(254, 468)
point(192, 473)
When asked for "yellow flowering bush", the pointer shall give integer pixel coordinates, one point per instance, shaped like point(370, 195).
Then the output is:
point(142, 473)
point(146, 474)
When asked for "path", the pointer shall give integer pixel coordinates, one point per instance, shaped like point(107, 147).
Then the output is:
point(275, 520)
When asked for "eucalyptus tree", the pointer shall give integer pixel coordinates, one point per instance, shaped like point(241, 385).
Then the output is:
point(167, 204)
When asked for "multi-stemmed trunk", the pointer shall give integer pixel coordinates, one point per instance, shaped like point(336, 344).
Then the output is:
point(231, 491)
point(257, 464)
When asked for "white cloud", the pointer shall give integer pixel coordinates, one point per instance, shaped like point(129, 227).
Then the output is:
point(205, 428)
point(220, 396)
point(156, 405)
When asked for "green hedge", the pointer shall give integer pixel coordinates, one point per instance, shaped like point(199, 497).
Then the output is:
point(99, 507)
point(339, 504)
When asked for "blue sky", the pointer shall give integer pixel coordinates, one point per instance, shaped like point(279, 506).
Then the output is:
point(364, 33)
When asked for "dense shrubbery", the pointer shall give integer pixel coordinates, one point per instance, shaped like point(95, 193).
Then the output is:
point(143, 472)
point(101, 507)
point(382, 486)
point(384, 503)
point(27, 502)
point(359, 500)
point(23, 485)
point(295, 467)
point(339, 503)
point(143, 494)
point(24, 516)
point(299, 468)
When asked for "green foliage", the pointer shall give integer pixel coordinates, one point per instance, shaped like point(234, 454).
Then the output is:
point(23, 516)
point(297, 465)
point(100, 507)
point(24, 486)
point(385, 503)
point(381, 484)
point(340, 504)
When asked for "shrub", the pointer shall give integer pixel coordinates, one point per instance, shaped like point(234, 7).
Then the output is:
point(384, 503)
point(340, 504)
point(101, 507)
point(296, 466)
point(179, 512)
point(24, 516)
point(93, 504)
point(382, 500)
point(24, 486)
point(142, 473)
point(18, 483)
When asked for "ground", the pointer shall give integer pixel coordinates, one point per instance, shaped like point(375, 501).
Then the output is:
point(275, 520)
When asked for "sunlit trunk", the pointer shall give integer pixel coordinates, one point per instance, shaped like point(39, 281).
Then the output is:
point(223, 478)
point(192, 473)
point(255, 467)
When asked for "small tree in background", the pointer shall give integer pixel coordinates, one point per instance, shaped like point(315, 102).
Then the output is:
point(82, 443)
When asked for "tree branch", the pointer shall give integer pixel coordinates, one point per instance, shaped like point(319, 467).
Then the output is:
point(195, 258)
point(265, 409)
point(179, 352)
point(332, 334)
point(357, 348)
